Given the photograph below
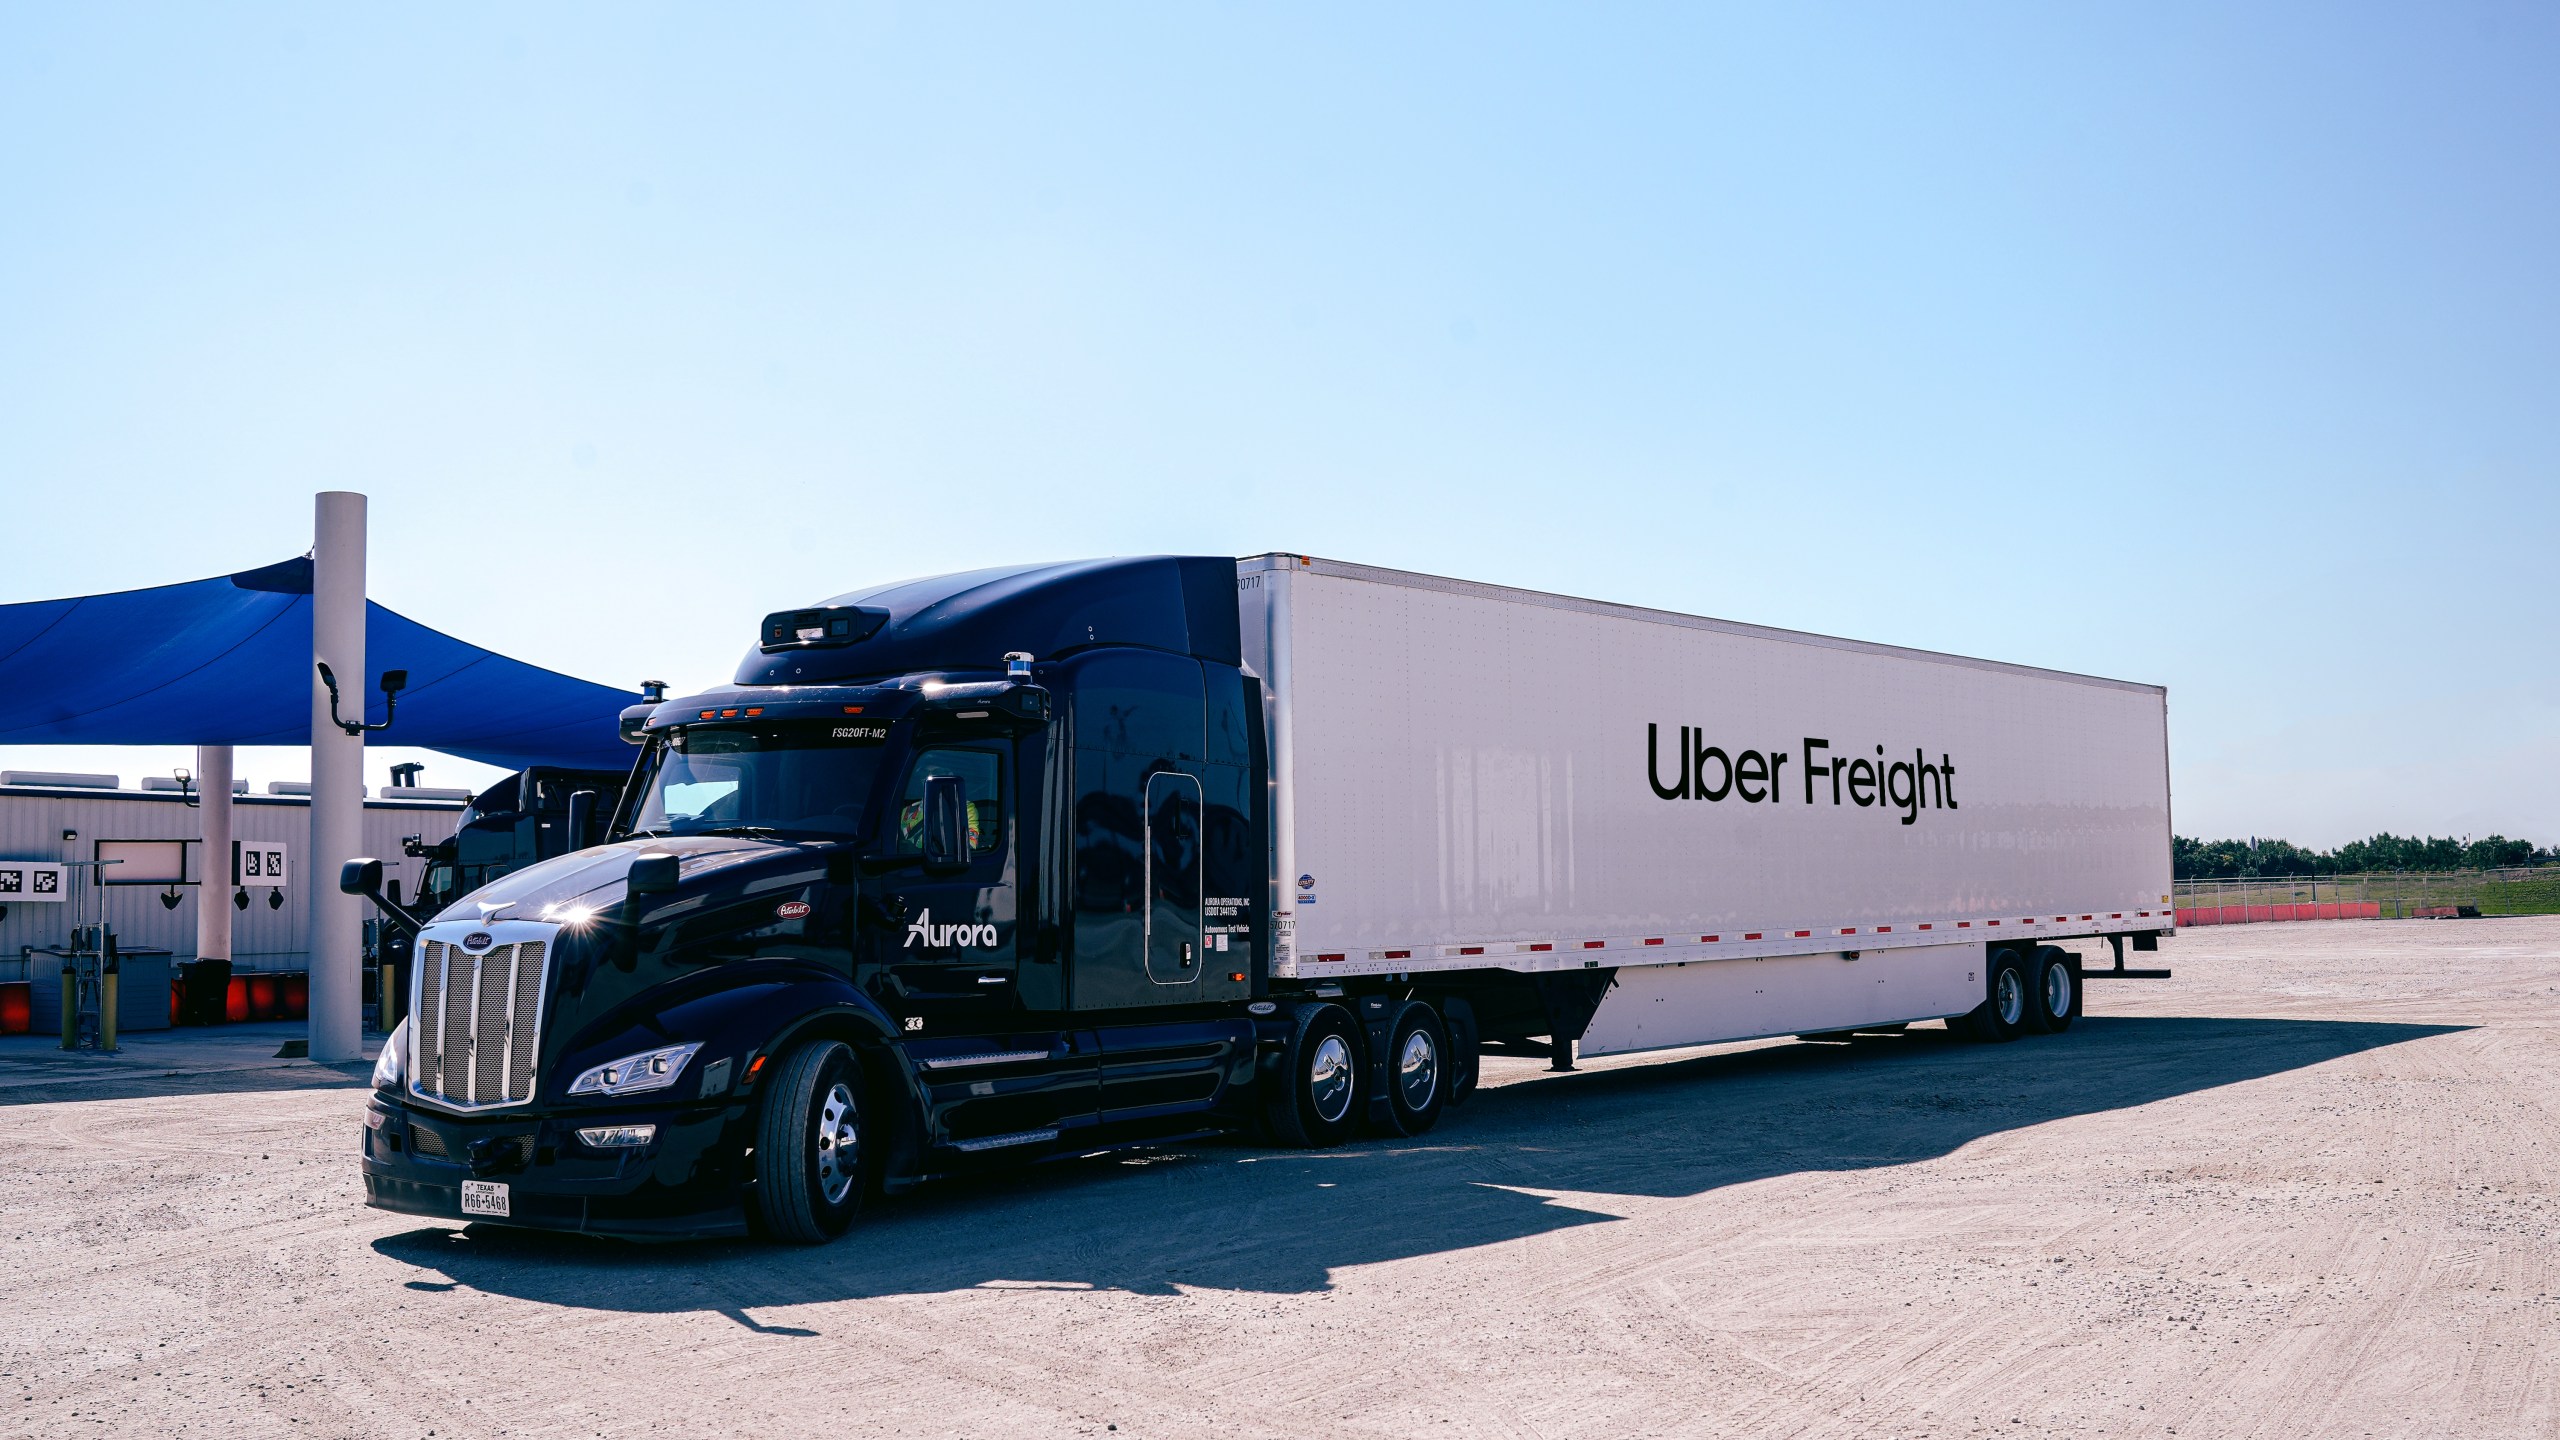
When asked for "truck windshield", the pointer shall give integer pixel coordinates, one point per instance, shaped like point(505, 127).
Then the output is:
point(806, 779)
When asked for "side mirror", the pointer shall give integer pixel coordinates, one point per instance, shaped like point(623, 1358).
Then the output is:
point(362, 877)
point(394, 681)
point(946, 823)
point(582, 819)
point(653, 875)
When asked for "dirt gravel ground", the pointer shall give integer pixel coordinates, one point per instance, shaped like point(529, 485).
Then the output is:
point(2305, 1188)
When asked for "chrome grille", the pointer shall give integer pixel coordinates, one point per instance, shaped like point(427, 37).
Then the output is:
point(428, 1006)
point(478, 1024)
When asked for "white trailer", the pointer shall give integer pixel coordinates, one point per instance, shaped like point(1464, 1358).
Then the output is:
point(1751, 831)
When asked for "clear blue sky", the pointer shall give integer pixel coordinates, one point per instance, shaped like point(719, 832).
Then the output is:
point(2206, 345)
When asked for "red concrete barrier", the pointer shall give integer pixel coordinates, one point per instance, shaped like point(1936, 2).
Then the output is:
point(17, 1006)
point(294, 987)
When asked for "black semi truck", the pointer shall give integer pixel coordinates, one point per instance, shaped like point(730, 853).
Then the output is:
point(1039, 862)
point(529, 816)
point(891, 906)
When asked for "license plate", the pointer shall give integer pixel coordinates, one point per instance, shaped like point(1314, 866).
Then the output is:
point(484, 1197)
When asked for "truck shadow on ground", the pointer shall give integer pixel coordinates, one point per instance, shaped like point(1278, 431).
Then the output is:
point(1521, 1160)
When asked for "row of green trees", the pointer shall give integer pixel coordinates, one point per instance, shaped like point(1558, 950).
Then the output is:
point(2241, 859)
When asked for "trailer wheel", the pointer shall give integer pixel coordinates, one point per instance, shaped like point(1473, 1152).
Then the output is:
point(1417, 1068)
point(808, 1161)
point(1466, 1062)
point(1315, 1100)
point(2056, 990)
point(2003, 1013)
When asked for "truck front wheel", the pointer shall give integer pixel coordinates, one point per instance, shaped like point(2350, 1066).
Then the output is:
point(808, 1161)
point(1314, 1099)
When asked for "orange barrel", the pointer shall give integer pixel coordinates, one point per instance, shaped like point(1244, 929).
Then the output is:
point(235, 1003)
point(295, 988)
point(17, 1006)
point(263, 1004)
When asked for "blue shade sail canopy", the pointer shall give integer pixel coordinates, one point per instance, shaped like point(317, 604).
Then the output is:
point(227, 661)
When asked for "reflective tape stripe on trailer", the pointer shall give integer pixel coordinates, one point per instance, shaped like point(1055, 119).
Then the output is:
point(1490, 950)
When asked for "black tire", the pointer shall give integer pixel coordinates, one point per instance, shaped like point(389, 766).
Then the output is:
point(809, 1162)
point(1315, 1099)
point(2055, 991)
point(1418, 1068)
point(1466, 1061)
point(2002, 1015)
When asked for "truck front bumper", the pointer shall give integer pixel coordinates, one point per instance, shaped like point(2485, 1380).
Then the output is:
point(687, 1183)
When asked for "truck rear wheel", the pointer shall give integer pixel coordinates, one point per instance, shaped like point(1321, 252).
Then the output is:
point(2003, 1013)
point(809, 1158)
point(1314, 1100)
point(1466, 1039)
point(2056, 990)
point(1417, 1068)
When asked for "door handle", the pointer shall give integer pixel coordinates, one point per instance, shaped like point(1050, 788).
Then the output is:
point(1186, 954)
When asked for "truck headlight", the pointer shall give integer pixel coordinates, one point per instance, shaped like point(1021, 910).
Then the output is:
point(391, 1071)
point(636, 1074)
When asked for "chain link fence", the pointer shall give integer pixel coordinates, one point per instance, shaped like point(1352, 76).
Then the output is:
point(2386, 895)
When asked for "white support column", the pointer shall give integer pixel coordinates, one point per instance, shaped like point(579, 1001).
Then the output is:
point(213, 892)
point(337, 778)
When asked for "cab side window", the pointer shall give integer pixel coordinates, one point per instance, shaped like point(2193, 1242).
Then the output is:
point(981, 774)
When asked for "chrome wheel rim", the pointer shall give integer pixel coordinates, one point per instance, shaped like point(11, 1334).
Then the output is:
point(2057, 991)
point(2013, 998)
point(1329, 1079)
point(1418, 1069)
point(837, 1157)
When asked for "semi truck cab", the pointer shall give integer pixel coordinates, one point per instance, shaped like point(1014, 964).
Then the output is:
point(962, 871)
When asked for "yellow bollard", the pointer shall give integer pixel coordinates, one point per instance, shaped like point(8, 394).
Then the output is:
point(108, 983)
point(70, 1003)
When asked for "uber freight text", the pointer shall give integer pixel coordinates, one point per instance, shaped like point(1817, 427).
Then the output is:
point(1709, 772)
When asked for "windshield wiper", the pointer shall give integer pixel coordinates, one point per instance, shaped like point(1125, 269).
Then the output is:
point(745, 830)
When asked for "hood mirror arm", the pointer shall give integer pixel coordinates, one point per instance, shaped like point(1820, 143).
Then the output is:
point(364, 877)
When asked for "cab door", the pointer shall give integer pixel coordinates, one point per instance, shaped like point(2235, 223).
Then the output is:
point(951, 949)
point(1173, 881)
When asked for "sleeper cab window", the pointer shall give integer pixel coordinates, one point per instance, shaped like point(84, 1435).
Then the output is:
point(981, 775)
